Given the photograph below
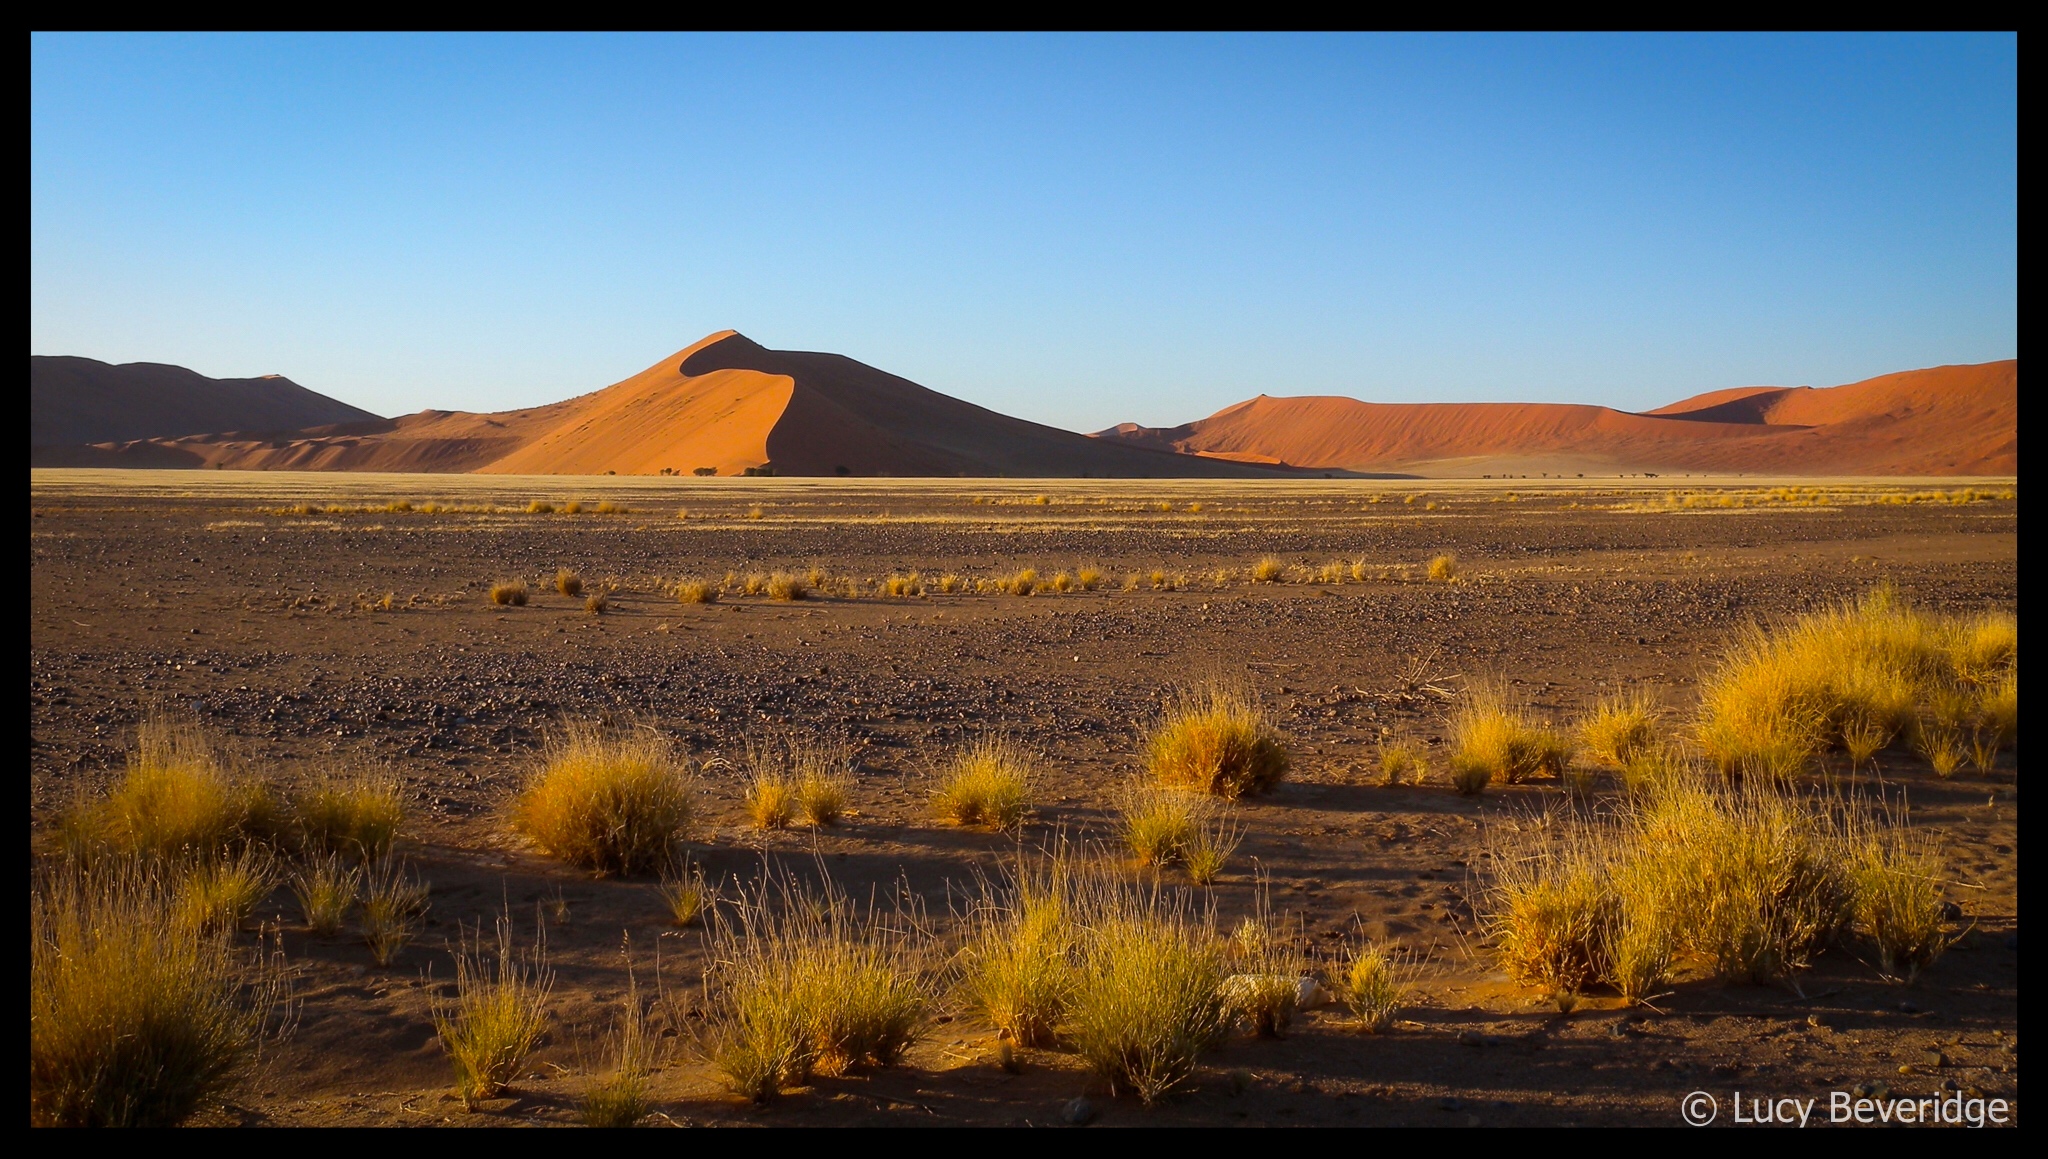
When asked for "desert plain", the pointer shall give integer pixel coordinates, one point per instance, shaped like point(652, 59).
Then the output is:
point(310, 621)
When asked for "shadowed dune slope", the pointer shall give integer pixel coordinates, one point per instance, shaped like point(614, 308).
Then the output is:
point(1948, 420)
point(76, 401)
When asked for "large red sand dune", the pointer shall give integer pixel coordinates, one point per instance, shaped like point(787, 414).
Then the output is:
point(1949, 420)
point(77, 401)
point(724, 403)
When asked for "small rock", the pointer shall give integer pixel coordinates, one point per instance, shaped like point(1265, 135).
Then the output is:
point(1933, 1058)
point(1080, 1112)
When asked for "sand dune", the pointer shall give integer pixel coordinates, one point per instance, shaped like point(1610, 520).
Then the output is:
point(77, 401)
point(1949, 420)
point(724, 404)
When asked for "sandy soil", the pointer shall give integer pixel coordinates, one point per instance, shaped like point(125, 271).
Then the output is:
point(188, 592)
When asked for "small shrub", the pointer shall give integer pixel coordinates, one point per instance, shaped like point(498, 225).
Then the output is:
point(394, 900)
point(1088, 578)
point(609, 803)
point(326, 887)
point(1268, 570)
point(1488, 732)
point(509, 593)
point(903, 586)
point(540, 507)
point(572, 507)
point(597, 603)
point(136, 1018)
point(1443, 568)
point(568, 582)
point(1372, 987)
point(1469, 776)
point(987, 782)
point(1060, 582)
point(1216, 740)
point(356, 812)
point(1020, 583)
point(696, 591)
point(1018, 968)
point(609, 508)
point(1159, 824)
point(498, 1014)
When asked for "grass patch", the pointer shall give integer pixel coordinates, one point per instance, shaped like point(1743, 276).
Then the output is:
point(498, 1013)
point(1147, 1001)
point(786, 587)
point(1899, 906)
point(326, 887)
point(1490, 733)
point(1620, 726)
point(177, 799)
point(510, 593)
point(1268, 570)
point(1403, 761)
point(696, 591)
point(804, 983)
point(394, 900)
point(623, 1095)
point(357, 812)
point(137, 1018)
point(597, 603)
point(612, 803)
point(1019, 583)
point(1018, 967)
point(1443, 569)
point(568, 582)
point(220, 893)
point(987, 783)
point(1216, 740)
point(685, 893)
point(1372, 988)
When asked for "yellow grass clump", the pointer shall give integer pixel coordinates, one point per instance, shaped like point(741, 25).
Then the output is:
point(1899, 906)
point(597, 603)
point(903, 586)
point(786, 587)
point(696, 591)
point(613, 803)
point(357, 812)
point(1620, 726)
point(771, 800)
point(803, 983)
point(1018, 968)
point(1371, 986)
point(498, 1013)
point(1840, 678)
point(609, 508)
point(1265, 992)
point(1216, 739)
point(1088, 578)
point(1061, 582)
point(326, 887)
point(986, 782)
point(220, 893)
point(393, 902)
point(1490, 734)
point(177, 799)
point(1168, 826)
point(1443, 568)
point(622, 1096)
point(1020, 583)
point(568, 582)
point(686, 893)
point(1148, 997)
point(509, 593)
point(950, 583)
point(1403, 761)
point(540, 507)
point(137, 1017)
point(1268, 570)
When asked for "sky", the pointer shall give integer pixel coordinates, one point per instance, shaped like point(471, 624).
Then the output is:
point(1076, 230)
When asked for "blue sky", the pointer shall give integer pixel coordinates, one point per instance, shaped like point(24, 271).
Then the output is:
point(1077, 230)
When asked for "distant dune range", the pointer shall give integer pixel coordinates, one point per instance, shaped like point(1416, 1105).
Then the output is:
point(730, 405)
point(1949, 420)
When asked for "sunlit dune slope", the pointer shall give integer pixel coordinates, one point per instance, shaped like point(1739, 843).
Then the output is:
point(1945, 420)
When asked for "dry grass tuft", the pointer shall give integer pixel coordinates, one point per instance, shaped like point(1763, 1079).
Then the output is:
point(696, 591)
point(785, 587)
point(540, 507)
point(988, 783)
point(1061, 582)
point(394, 901)
point(597, 603)
point(220, 893)
point(1620, 726)
point(568, 582)
point(1898, 902)
point(326, 887)
point(1147, 1001)
point(950, 583)
point(1490, 733)
point(1443, 568)
point(177, 800)
point(136, 1018)
point(610, 803)
point(1089, 578)
point(803, 983)
point(623, 1095)
point(573, 507)
point(1215, 739)
point(1403, 761)
point(686, 893)
point(901, 586)
point(357, 812)
point(1268, 570)
point(1372, 987)
point(498, 1013)
point(1783, 696)
point(610, 508)
point(509, 593)
point(1020, 583)
point(1019, 966)
point(771, 799)
point(1170, 826)
point(1266, 990)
